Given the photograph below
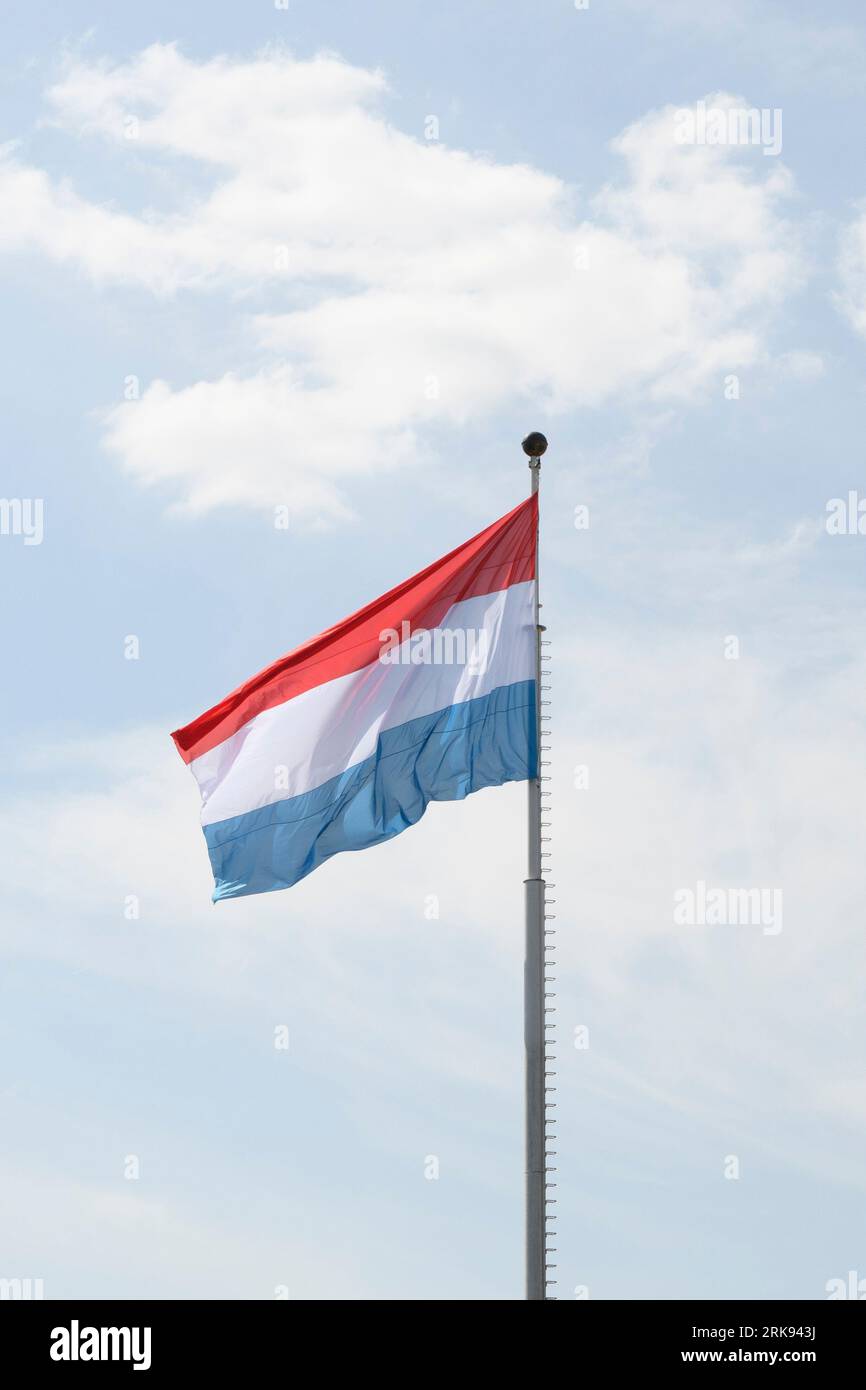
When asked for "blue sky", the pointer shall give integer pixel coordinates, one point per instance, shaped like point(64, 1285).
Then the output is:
point(324, 308)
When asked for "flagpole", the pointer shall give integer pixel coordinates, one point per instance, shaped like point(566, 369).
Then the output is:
point(534, 446)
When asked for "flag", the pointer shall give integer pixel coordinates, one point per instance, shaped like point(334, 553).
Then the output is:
point(427, 694)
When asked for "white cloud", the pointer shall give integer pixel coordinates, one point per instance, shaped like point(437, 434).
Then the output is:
point(851, 295)
point(107, 1238)
point(413, 284)
point(801, 365)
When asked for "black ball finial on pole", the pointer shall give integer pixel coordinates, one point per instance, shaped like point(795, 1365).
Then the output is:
point(534, 445)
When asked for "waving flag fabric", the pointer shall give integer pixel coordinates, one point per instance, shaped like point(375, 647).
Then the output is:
point(427, 694)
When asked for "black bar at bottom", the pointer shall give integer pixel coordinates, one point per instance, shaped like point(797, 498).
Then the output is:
point(217, 1338)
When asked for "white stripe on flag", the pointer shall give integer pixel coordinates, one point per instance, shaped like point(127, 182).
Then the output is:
point(300, 744)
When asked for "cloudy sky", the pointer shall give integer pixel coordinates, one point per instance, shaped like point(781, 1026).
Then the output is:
point(332, 261)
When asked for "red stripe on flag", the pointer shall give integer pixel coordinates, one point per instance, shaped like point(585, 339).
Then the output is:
point(501, 555)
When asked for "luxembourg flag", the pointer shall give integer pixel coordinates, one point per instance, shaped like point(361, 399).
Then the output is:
point(427, 694)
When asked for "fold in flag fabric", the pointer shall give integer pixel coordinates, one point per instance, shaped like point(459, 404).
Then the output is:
point(427, 694)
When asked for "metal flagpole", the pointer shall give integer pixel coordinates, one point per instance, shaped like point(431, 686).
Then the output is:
point(534, 446)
